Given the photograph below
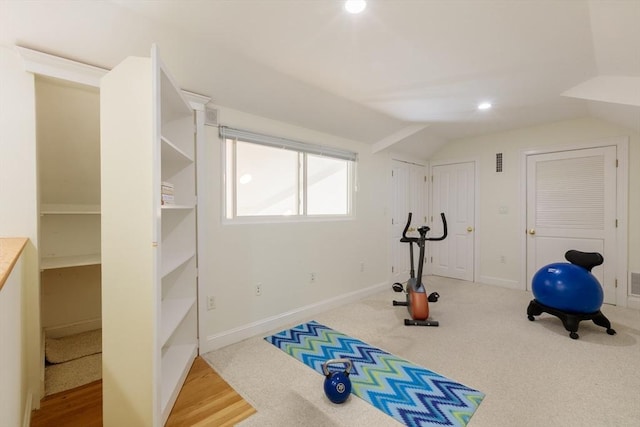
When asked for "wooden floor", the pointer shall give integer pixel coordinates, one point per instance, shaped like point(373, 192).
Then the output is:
point(205, 400)
point(81, 406)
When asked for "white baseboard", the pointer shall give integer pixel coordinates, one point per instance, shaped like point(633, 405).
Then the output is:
point(73, 328)
point(28, 404)
point(504, 283)
point(633, 302)
point(232, 336)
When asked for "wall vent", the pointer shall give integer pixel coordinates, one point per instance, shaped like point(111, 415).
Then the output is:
point(210, 116)
point(635, 284)
point(498, 162)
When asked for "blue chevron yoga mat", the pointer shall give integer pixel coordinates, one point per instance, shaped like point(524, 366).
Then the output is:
point(413, 395)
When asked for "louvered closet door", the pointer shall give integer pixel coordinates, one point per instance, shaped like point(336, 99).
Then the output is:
point(571, 204)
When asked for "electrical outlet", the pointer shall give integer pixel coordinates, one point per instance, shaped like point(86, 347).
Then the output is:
point(259, 289)
point(211, 302)
point(503, 259)
point(362, 267)
point(312, 277)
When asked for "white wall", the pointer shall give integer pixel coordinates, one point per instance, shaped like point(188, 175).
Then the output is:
point(281, 256)
point(12, 365)
point(500, 234)
point(68, 126)
point(18, 198)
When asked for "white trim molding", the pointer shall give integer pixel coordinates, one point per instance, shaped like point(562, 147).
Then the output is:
point(53, 66)
point(28, 407)
point(232, 336)
point(45, 64)
point(501, 282)
point(196, 101)
point(72, 328)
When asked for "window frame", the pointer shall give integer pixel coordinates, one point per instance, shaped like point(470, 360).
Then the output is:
point(229, 173)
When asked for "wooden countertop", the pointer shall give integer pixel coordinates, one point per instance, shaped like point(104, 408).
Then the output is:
point(10, 250)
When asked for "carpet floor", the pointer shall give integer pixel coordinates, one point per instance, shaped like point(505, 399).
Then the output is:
point(73, 361)
point(532, 373)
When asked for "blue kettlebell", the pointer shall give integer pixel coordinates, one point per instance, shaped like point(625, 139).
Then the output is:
point(337, 385)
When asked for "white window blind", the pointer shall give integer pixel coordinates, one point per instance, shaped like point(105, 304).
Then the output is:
point(269, 177)
point(286, 144)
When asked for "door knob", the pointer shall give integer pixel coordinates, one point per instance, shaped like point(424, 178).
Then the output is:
point(469, 229)
point(532, 231)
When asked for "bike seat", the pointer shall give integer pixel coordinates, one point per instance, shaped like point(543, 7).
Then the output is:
point(586, 260)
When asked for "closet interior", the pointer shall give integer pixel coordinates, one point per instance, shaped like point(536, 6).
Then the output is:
point(68, 150)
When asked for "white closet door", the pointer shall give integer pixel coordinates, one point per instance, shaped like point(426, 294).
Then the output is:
point(454, 194)
point(399, 210)
point(409, 192)
point(571, 204)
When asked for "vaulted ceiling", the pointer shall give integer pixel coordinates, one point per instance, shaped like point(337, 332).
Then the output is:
point(404, 75)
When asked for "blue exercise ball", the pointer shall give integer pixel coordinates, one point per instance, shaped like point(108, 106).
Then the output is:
point(567, 287)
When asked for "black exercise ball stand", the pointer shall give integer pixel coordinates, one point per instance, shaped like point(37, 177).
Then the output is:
point(569, 320)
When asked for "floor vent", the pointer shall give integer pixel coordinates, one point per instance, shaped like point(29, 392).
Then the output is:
point(635, 284)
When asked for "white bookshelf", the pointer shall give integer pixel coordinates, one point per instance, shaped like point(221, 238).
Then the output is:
point(176, 262)
point(174, 311)
point(174, 207)
point(149, 248)
point(176, 362)
point(173, 152)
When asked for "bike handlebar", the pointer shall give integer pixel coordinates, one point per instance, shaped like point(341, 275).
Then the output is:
point(423, 231)
point(404, 232)
point(444, 229)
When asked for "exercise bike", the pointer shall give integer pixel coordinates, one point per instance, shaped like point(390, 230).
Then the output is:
point(417, 301)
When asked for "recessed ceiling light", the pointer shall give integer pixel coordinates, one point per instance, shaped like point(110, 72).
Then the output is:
point(484, 106)
point(355, 6)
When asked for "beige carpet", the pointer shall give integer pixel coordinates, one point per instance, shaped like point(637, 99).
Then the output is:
point(533, 374)
point(73, 360)
point(72, 374)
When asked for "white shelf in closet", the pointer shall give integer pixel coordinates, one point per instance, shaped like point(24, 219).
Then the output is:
point(69, 261)
point(69, 209)
point(70, 235)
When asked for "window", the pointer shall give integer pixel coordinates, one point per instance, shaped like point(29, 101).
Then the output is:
point(273, 177)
